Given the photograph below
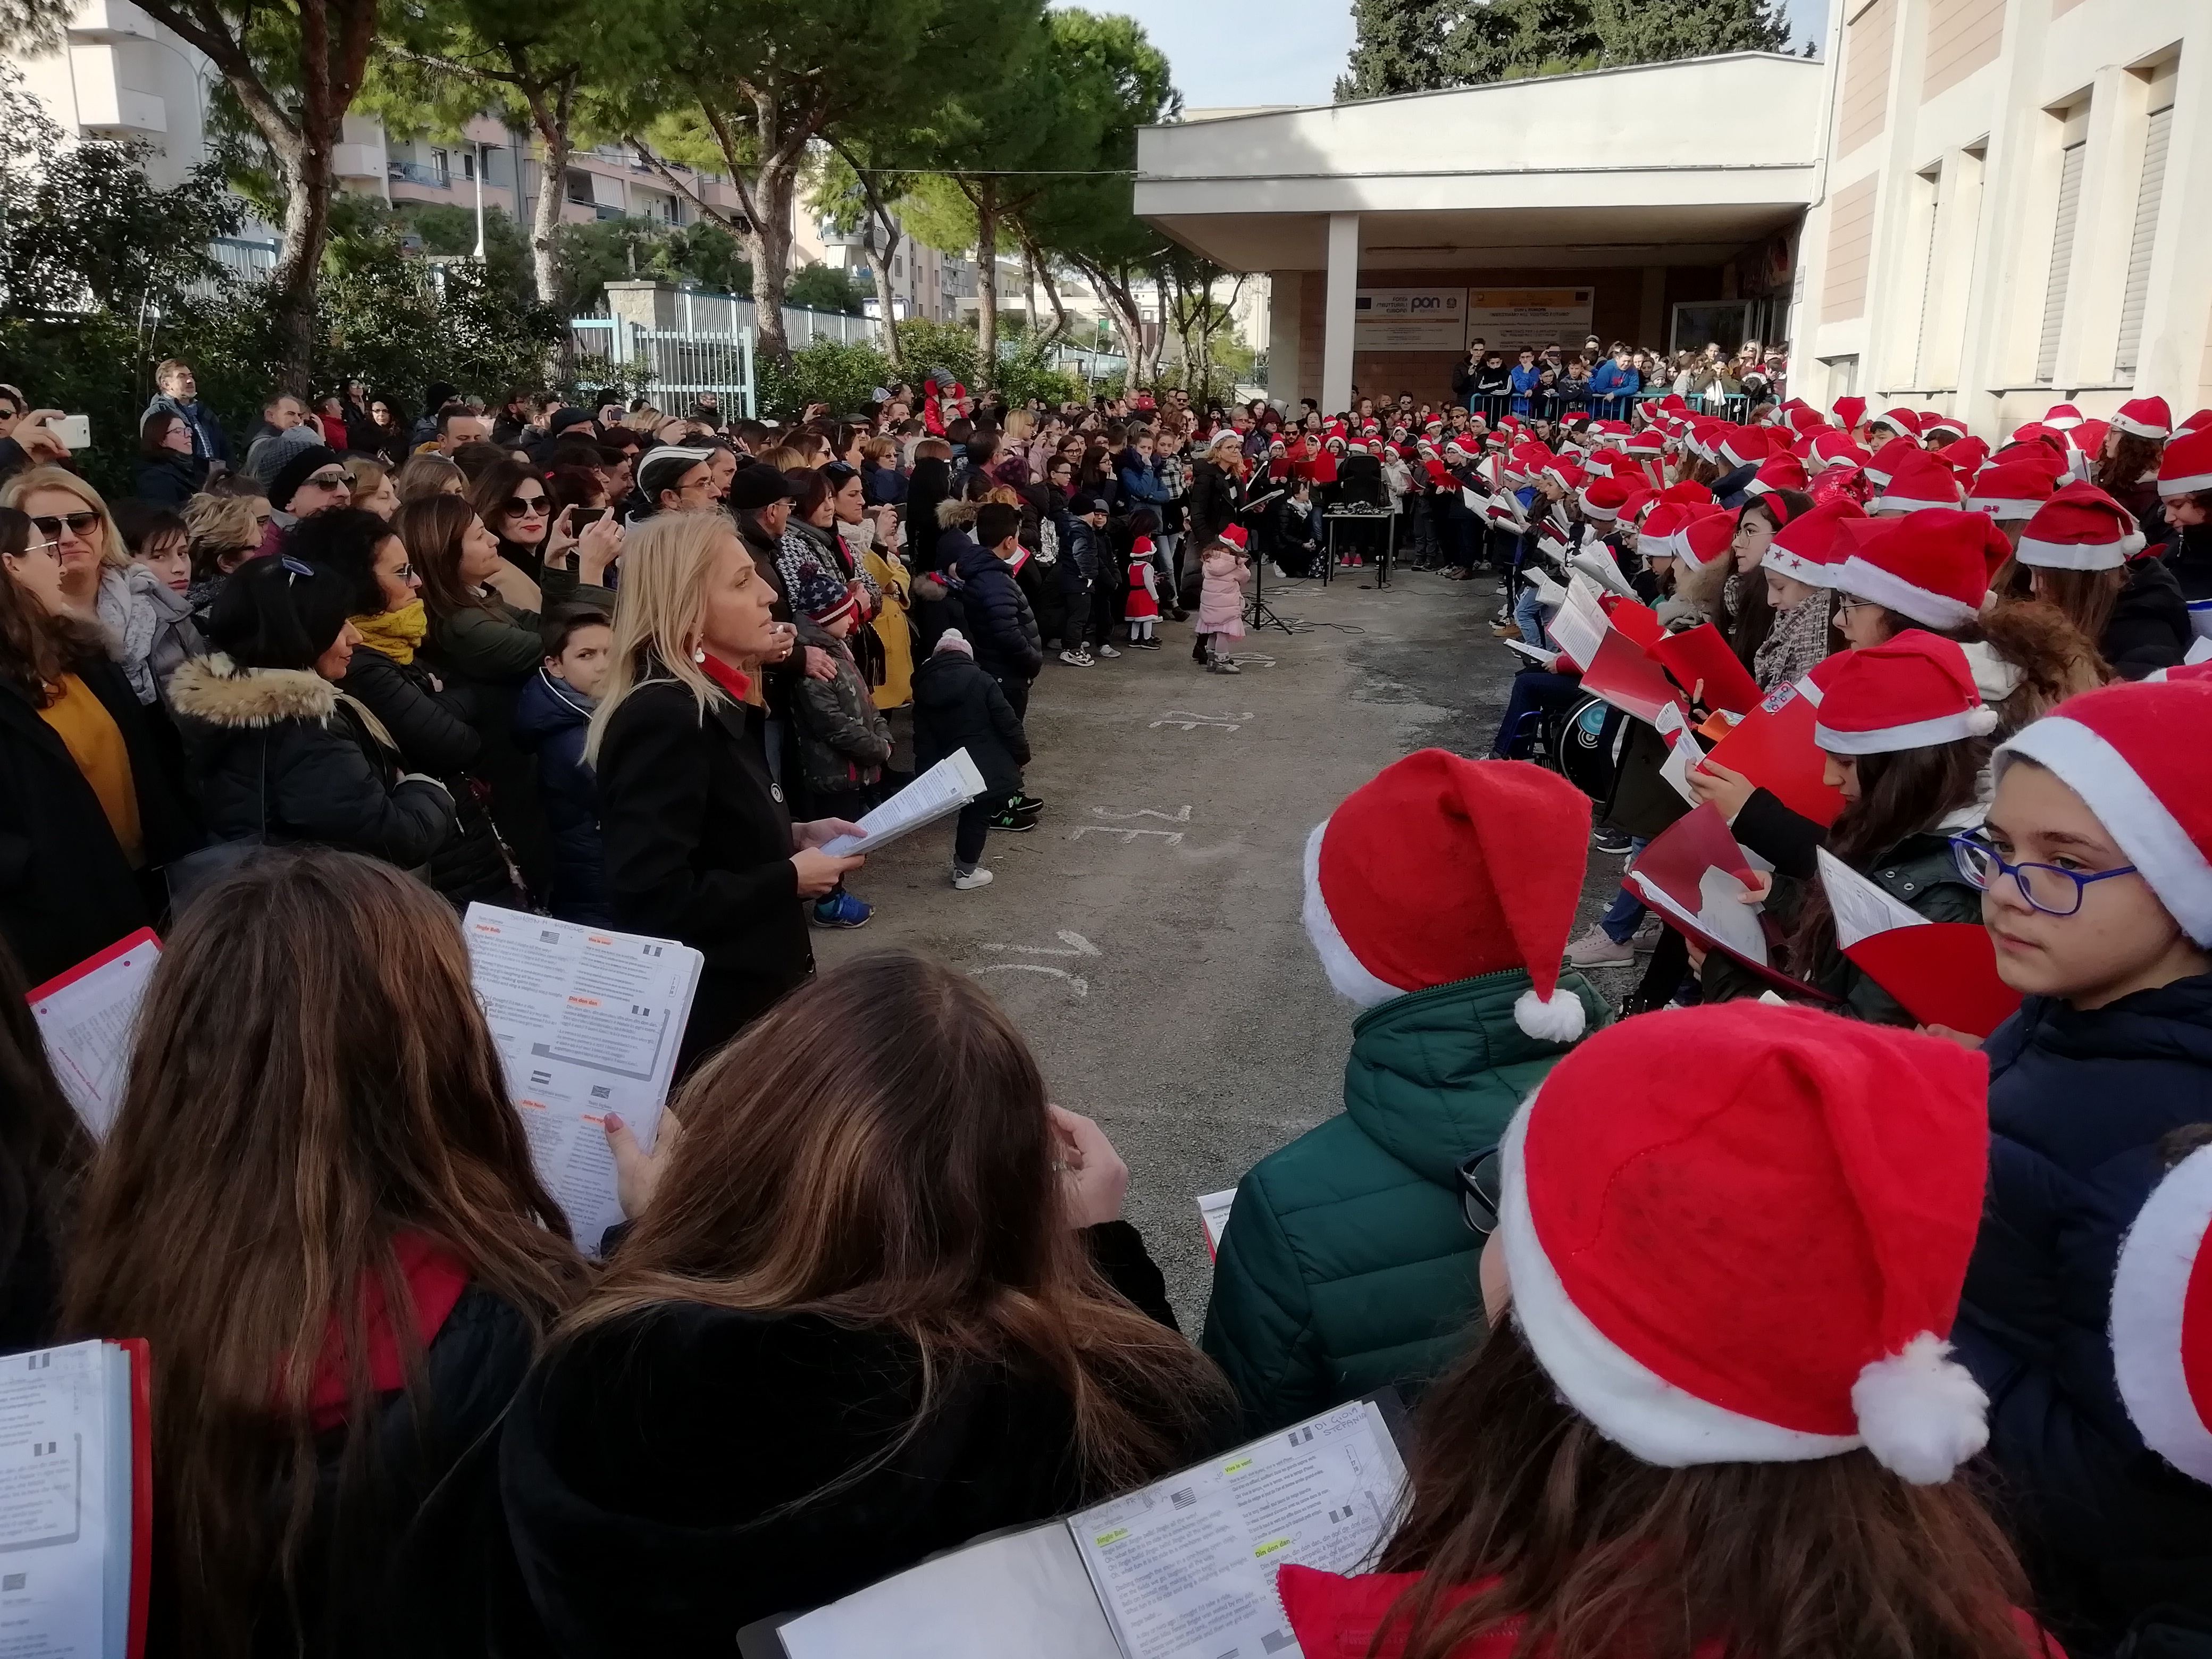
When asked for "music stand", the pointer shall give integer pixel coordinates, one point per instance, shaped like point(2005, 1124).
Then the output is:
point(1262, 614)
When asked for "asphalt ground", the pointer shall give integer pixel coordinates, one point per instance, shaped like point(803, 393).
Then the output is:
point(1146, 934)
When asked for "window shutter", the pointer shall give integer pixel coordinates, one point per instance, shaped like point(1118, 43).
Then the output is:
point(2145, 240)
point(2061, 258)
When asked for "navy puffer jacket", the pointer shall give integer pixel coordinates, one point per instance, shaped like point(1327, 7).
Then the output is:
point(2078, 1103)
point(999, 623)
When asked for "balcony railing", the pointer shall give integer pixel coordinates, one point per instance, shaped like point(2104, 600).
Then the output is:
point(416, 173)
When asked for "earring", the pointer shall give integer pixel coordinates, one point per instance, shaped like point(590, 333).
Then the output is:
point(699, 653)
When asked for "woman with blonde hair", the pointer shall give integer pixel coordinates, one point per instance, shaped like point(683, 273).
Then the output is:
point(317, 1202)
point(428, 475)
point(372, 489)
point(100, 582)
point(878, 1304)
point(698, 843)
point(221, 532)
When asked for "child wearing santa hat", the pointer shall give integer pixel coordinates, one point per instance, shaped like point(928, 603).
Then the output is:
point(1906, 737)
point(2183, 522)
point(2096, 861)
point(1220, 603)
point(2080, 551)
point(1346, 1266)
point(1715, 1413)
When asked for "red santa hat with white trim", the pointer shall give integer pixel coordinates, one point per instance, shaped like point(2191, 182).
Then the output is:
point(2162, 1318)
point(2009, 489)
point(1782, 471)
point(2145, 417)
point(1898, 418)
point(1654, 537)
point(2133, 752)
point(1932, 567)
point(1836, 449)
point(1809, 547)
point(1914, 690)
point(1422, 878)
point(1603, 498)
point(1887, 456)
point(1662, 1168)
point(1704, 537)
point(1951, 424)
point(2060, 418)
point(2079, 528)
point(2185, 467)
point(1917, 480)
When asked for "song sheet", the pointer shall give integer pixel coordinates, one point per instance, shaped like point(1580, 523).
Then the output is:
point(64, 1547)
point(87, 1017)
point(939, 792)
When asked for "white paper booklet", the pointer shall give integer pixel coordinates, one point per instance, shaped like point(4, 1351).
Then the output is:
point(1213, 1216)
point(941, 791)
point(70, 1530)
point(1581, 624)
point(87, 1018)
point(1861, 909)
point(1182, 1568)
point(1599, 566)
point(587, 1022)
point(1722, 913)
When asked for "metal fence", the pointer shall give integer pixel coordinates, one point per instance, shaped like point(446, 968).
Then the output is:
point(677, 365)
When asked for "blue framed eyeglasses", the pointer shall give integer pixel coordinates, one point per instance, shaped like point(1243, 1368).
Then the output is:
point(2047, 888)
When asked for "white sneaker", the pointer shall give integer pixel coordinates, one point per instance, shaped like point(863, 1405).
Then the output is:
point(1278, 572)
point(1076, 659)
point(1106, 651)
point(1596, 950)
point(979, 877)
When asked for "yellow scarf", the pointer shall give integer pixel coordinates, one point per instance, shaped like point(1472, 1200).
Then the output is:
point(395, 633)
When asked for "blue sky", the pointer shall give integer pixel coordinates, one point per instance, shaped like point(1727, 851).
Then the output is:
point(1290, 52)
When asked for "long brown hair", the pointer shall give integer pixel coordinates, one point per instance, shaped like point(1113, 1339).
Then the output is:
point(1593, 1553)
point(876, 1150)
point(2087, 597)
point(2133, 458)
point(1906, 792)
point(431, 527)
point(36, 647)
point(311, 1079)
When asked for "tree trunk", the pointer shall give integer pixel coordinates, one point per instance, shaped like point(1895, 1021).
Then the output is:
point(985, 195)
point(550, 118)
point(307, 176)
point(886, 301)
point(767, 245)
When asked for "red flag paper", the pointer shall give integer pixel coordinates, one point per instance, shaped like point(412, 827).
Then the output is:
point(1623, 674)
point(1943, 974)
point(1773, 747)
point(1702, 664)
point(1635, 619)
point(1674, 876)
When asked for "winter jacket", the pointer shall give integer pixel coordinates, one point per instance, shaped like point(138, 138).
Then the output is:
point(1347, 1265)
point(999, 623)
point(893, 632)
point(843, 741)
point(1139, 479)
point(698, 849)
point(881, 484)
point(280, 755)
point(67, 891)
point(1215, 496)
point(432, 729)
point(2078, 1101)
point(550, 718)
point(208, 441)
point(1086, 551)
point(2150, 627)
point(172, 481)
point(1524, 382)
point(1491, 380)
point(957, 706)
point(641, 1458)
point(151, 627)
point(1464, 389)
point(1221, 597)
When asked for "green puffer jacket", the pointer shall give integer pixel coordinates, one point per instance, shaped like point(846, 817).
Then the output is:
point(1346, 1265)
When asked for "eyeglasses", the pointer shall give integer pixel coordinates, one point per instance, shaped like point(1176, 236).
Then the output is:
point(517, 505)
point(405, 573)
point(80, 524)
point(2046, 887)
point(1481, 1185)
point(1845, 604)
point(328, 481)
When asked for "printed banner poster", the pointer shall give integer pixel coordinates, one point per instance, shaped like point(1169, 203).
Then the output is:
point(1409, 319)
point(1508, 318)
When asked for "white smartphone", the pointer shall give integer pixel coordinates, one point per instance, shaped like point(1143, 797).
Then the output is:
point(74, 430)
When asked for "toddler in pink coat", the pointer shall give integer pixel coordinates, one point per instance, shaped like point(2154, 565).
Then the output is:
point(1220, 607)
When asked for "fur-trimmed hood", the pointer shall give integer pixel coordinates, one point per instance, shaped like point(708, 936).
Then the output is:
point(217, 691)
point(954, 514)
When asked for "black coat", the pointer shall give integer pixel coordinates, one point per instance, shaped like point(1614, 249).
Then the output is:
point(957, 706)
point(432, 727)
point(66, 892)
point(1215, 496)
point(172, 481)
point(550, 722)
point(997, 619)
point(2078, 1103)
point(277, 754)
point(640, 1459)
point(2150, 627)
point(698, 843)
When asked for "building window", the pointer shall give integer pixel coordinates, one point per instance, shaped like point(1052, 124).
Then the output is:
point(580, 188)
point(2061, 259)
point(2136, 295)
point(441, 164)
point(468, 164)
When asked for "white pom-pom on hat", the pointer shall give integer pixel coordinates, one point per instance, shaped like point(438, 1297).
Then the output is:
point(1558, 1017)
point(1920, 1411)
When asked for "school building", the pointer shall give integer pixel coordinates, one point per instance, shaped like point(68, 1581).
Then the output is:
point(1976, 206)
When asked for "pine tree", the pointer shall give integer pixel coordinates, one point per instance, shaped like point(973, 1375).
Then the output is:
point(1398, 48)
point(1655, 31)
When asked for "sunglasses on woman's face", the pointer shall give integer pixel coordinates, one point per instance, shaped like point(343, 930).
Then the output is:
point(329, 480)
point(520, 507)
point(80, 524)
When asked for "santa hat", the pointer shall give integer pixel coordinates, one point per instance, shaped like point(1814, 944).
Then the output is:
point(2060, 417)
point(1705, 536)
point(1654, 537)
point(1898, 418)
point(1142, 547)
point(1913, 691)
point(2132, 753)
point(1837, 449)
point(1930, 566)
point(1778, 472)
point(2162, 1318)
point(2009, 489)
point(1656, 1183)
point(1951, 424)
point(2197, 423)
point(1235, 535)
point(1422, 878)
point(1603, 499)
point(1965, 455)
point(2081, 528)
point(2186, 466)
point(1744, 445)
point(1849, 412)
point(1809, 548)
point(1919, 481)
point(1887, 456)
point(1648, 442)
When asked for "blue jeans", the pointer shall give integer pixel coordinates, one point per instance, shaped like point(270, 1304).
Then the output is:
point(1528, 616)
point(1625, 914)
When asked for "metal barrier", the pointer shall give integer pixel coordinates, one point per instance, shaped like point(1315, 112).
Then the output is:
point(678, 364)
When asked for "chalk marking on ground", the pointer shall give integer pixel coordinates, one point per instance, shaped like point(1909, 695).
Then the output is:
point(1173, 837)
point(1190, 721)
point(1077, 946)
point(1081, 987)
point(1181, 817)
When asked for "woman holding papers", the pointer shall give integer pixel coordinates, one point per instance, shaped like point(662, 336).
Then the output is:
point(317, 1204)
point(1715, 1413)
point(1906, 738)
point(698, 843)
point(879, 1304)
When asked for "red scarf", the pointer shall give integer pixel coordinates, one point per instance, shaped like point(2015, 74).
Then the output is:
point(435, 1279)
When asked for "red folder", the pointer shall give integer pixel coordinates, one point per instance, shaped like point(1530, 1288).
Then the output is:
point(1636, 620)
point(1942, 974)
point(1625, 675)
point(1702, 665)
point(142, 1487)
point(1674, 865)
point(1773, 747)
